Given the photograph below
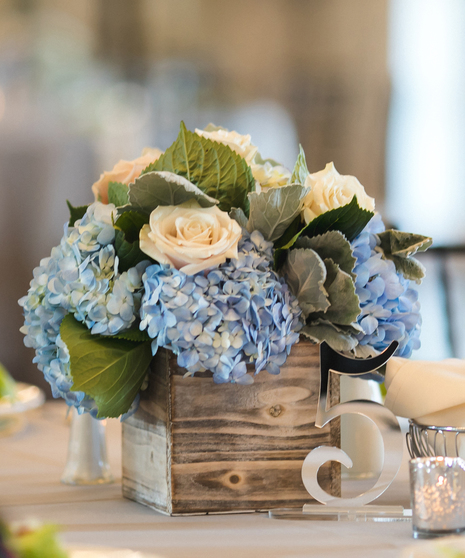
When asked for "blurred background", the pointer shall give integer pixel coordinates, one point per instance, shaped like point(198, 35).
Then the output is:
point(375, 86)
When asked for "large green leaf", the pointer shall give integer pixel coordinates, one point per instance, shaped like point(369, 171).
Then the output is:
point(164, 188)
point(305, 274)
point(129, 253)
point(344, 307)
point(337, 338)
point(131, 222)
point(402, 244)
point(215, 168)
point(272, 212)
point(109, 370)
point(76, 213)
point(117, 193)
point(332, 244)
point(300, 171)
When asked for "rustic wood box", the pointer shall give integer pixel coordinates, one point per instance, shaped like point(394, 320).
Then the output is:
point(197, 447)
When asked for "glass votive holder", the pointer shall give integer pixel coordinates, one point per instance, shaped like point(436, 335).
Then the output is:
point(437, 492)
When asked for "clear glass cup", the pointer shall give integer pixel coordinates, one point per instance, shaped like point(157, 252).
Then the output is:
point(87, 461)
point(437, 491)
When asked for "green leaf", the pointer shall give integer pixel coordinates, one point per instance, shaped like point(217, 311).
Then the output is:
point(36, 542)
point(349, 219)
point(272, 212)
point(239, 216)
point(129, 253)
point(402, 244)
point(7, 384)
point(117, 193)
point(337, 338)
point(305, 274)
point(131, 222)
point(164, 188)
point(286, 241)
point(300, 171)
point(215, 168)
point(76, 213)
point(332, 244)
point(109, 370)
point(344, 307)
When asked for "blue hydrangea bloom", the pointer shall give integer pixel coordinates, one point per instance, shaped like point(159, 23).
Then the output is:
point(81, 277)
point(389, 302)
point(238, 313)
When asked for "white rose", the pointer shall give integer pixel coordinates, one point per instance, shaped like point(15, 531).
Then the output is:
point(330, 190)
point(189, 237)
point(270, 176)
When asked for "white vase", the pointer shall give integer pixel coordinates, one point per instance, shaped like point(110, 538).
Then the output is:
point(87, 461)
point(360, 438)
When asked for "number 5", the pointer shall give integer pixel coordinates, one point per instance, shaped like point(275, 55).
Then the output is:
point(386, 421)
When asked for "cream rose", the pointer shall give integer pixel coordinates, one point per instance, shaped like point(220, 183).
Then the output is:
point(330, 190)
point(189, 237)
point(267, 175)
point(125, 172)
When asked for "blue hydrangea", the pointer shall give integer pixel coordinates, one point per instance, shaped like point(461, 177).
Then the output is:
point(239, 313)
point(389, 302)
point(80, 276)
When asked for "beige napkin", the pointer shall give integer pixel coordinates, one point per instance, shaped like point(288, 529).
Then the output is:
point(431, 393)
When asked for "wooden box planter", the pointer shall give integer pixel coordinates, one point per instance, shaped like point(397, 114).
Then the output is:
point(197, 447)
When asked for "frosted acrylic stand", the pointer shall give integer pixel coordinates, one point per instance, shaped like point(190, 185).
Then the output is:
point(356, 508)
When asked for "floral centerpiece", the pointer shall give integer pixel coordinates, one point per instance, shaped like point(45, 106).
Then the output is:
point(223, 258)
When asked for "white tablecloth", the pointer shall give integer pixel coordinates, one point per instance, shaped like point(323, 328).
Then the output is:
point(31, 462)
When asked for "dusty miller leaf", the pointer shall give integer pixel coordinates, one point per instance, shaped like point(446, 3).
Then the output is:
point(402, 244)
point(272, 212)
point(305, 274)
point(331, 244)
point(336, 338)
point(239, 216)
point(410, 268)
point(164, 188)
point(344, 305)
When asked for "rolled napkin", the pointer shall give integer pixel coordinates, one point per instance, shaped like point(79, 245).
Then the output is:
point(431, 393)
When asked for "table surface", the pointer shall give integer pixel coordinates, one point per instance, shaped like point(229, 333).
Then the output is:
point(31, 463)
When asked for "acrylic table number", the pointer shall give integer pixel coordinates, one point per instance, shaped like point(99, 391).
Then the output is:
point(354, 508)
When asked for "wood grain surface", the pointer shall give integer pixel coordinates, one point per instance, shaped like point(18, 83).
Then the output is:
point(197, 447)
